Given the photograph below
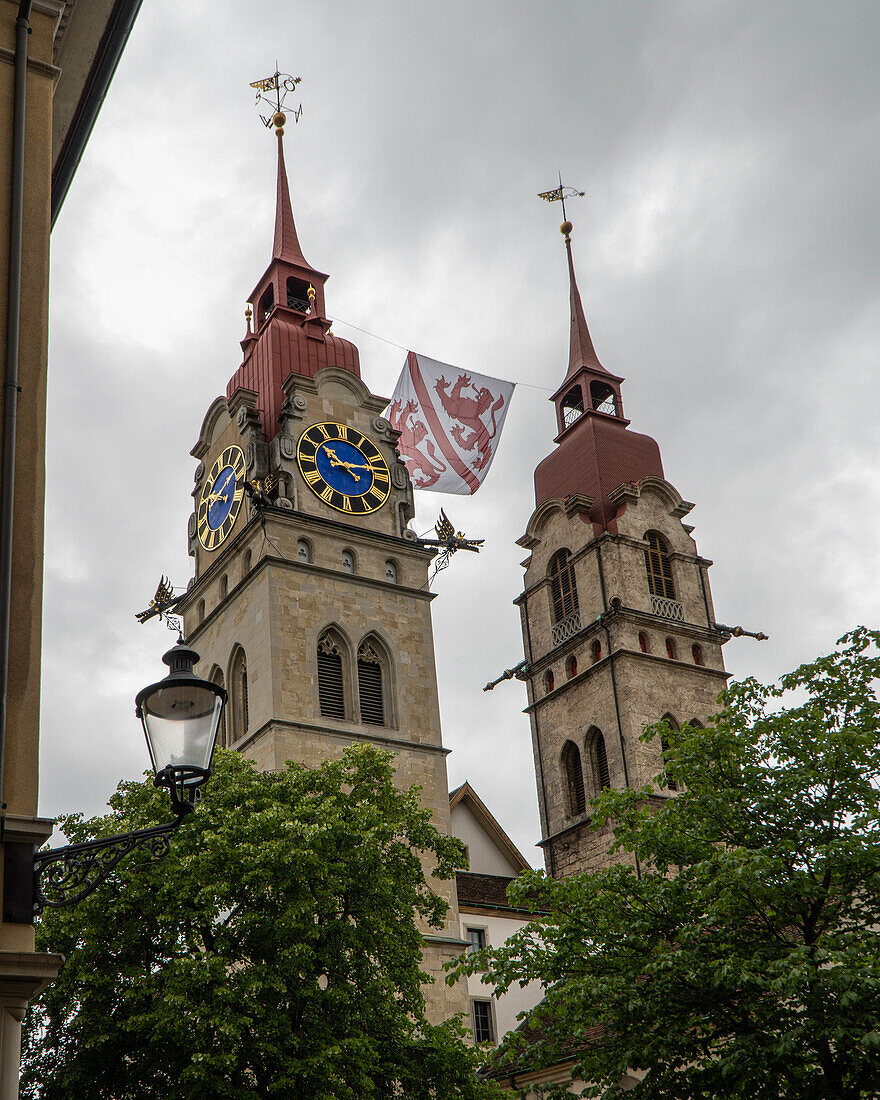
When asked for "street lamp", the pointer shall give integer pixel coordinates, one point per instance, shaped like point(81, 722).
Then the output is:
point(180, 715)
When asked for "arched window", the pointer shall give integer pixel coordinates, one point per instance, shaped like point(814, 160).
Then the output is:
point(664, 748)
point(246, 561)
point(298, 295)
point(571, 667)
point(697, 651)
point(548, 680)
point(597, 651)
point(572, 406)
point(670, 649)
point(201, 611)
point(348, 561)
point(696, 725)
point(238, 683)
point(574, 777)
point(216, 677)
point(224, 587)
point(390, 572)
point(563, 589)
point(658, 566)
point(303, 550)
point(267, 304)
point(603, 398)
point(598, 759)
point(331, 683)
point(371, 692)
point(643, 643)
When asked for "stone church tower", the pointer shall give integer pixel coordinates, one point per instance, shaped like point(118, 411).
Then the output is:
point(310, 600)
point(617, 618)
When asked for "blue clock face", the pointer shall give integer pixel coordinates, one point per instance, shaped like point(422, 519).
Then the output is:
point(222, 494)
point(221, 498)
point(344, 467)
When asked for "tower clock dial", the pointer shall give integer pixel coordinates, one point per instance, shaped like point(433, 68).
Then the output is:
point(343, 468)
point(221, 498)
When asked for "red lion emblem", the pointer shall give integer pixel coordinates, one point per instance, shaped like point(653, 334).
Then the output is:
point(412, 433)
point(468, 411)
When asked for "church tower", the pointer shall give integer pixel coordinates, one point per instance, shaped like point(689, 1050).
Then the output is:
point(310, 600)
point(617, 618)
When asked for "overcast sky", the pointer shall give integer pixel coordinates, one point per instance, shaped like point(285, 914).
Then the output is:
point(727, 256)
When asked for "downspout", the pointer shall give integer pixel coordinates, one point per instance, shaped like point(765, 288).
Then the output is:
point(10, 379)
point(614, 681)
point(533, 700)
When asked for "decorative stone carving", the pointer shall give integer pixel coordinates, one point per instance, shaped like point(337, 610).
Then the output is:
point(399, 476)
point(327, 645)
point(284, 502)
point(383, 428)
point(199, 472)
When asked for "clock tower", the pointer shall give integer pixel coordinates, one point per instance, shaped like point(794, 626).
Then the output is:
point(310, 601)
point(618, 625)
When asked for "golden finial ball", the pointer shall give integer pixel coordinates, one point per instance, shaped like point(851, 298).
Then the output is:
point(278, 120)
point(566, 228)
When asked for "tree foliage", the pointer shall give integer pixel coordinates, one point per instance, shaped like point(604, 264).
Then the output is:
point(273, 952)
point(742, 959)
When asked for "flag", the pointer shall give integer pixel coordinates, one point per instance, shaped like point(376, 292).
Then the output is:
point(449, 422)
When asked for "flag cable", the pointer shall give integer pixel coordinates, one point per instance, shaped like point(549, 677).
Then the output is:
point(394, 344)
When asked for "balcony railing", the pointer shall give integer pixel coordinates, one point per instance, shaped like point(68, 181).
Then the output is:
point(669, 609)
point(566, 628)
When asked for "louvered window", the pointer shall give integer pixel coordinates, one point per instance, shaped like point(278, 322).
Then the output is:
point(563, 589)
point(600, 757)
point(574, 774)
point(369, 666)
point(331, 692)
point(658, 566)
point(238, 682)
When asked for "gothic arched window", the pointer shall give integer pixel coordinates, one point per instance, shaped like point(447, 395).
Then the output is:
point(224, 587)
point(697, 652)
point(596, 651)
point(548, 680)
point(574, 777)
point(643, 643)
point(304, 550)
point(238, 683)
point(563, 589)
point(331, 681)
point(216, 677)
point(371, 682)
point(658, 566)
point(664, 748)
point(571, 667)
point(246, 562)
point(598, 759)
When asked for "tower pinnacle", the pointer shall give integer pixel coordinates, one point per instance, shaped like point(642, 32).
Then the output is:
point(581, 351)
point(286, 245)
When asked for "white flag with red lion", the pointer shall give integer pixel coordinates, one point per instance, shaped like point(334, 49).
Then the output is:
point(449, 421)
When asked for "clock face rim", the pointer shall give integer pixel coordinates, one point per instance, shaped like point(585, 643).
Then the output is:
point(363, 503)
point(211, 538)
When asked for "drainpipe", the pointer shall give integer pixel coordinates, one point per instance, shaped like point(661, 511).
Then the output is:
point(10, 378)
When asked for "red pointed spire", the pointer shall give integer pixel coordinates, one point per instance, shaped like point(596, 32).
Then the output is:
point(286, 245)
point(581, 351)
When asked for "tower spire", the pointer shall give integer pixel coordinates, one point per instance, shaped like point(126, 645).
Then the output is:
point(286, 245)
point(581, 351)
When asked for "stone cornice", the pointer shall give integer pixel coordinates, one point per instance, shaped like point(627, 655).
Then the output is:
point(344, 731)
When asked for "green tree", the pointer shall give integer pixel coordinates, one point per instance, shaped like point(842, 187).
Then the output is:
point(742, 958)
point(273, 952)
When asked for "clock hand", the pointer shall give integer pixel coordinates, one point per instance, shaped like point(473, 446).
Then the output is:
point(336, 461)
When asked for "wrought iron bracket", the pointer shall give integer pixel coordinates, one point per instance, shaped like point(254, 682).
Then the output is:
point(64, 876)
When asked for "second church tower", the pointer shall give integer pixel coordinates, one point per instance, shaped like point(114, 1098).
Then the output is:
point(618, 625)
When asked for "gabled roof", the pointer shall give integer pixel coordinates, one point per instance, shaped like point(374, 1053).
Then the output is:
point(466, 795)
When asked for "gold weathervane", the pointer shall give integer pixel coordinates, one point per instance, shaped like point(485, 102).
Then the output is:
point(560, 194)
point(281, 84)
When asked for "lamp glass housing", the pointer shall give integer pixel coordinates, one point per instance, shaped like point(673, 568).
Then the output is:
point(181, 717)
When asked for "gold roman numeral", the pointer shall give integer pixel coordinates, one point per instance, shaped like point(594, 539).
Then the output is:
point(312, 477)
point(327, 494)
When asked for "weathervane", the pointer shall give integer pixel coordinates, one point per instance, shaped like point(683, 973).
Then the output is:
point(449, 540)
point(273, 90)
point(560, 194)
point(163, 603)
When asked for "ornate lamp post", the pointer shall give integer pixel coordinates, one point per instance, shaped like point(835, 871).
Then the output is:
point(180, 715)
